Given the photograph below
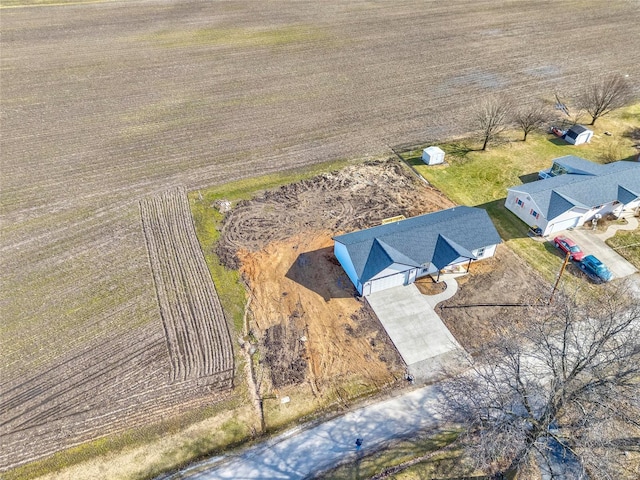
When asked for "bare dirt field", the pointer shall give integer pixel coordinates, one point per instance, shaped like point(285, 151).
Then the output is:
point(281, 242)
point(106, 103)
point(476, 314)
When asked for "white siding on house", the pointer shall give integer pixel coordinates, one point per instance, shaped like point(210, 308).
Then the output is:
point(524, 207)
point(603, 210)
point(428, 270)
point(486, 252)
point(341, 253)
point(391, 270)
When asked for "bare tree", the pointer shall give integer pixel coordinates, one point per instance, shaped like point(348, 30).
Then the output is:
point(531, 117)
point(569, 383)
point(491, 119)
point(602, 97)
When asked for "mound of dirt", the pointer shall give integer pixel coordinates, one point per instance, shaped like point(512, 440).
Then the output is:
point(285, 354)
point(354, 198)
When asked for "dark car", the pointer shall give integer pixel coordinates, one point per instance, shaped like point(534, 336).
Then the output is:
point(595, 269)
point(569, 246)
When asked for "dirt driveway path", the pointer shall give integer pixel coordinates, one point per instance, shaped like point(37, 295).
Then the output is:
point(300, 453)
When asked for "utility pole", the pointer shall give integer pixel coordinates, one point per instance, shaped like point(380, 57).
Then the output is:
point(564, 265)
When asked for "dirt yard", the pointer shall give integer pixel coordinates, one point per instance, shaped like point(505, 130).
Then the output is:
point(501, 280)
point(305, 314)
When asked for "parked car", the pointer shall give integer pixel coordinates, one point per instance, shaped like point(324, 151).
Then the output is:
point(569, 246)
point(595, 269)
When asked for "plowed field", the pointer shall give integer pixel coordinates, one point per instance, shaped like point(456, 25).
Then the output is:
point(105, 103)
point(196, 330)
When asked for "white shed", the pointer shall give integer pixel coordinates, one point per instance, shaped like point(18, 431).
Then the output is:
point(578, 135)
point(432, 155)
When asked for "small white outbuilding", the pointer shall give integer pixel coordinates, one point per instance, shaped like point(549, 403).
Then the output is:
point(432, 155)
point(578, 135)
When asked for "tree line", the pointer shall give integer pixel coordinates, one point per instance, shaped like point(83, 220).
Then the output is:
point(494, 115)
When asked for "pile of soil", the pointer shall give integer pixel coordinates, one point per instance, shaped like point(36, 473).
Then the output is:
point(285, 354)
point(354, 198)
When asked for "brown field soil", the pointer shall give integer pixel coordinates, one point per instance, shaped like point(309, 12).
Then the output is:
point(105, 103)
point(503, 279)
point(195, 327)
point(304, 313)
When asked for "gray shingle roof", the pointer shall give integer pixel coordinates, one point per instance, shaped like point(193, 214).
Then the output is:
point(614, 181)
point(576, 130)
point(437, 238)
point(579, 165)
point(625, 195)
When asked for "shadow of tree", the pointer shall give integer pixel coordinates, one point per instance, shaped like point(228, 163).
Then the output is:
point(632, 133)
point(459, 149)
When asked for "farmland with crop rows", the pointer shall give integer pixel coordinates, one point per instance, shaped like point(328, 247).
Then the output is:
point(105, 104)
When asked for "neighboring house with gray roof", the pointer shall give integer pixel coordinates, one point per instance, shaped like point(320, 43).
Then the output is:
point(573, 191)
point(400, 252)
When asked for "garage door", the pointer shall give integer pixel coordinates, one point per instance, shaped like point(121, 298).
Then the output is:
point(387, 282)
point(563, 225)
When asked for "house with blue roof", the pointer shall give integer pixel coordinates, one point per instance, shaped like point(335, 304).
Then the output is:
point(398, 253)
point(573, 191)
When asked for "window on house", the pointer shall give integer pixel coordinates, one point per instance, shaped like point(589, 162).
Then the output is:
point(519, 202)
point(534, 213)
point(480, 252)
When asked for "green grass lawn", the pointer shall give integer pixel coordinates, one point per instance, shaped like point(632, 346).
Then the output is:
point(481, 178)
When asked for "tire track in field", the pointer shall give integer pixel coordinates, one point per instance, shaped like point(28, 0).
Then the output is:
point(196, 330)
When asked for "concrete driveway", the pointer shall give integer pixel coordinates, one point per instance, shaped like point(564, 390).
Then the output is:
point(422, 339)
point(593, 243)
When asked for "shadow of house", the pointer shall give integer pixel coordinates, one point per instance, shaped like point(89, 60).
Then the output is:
point(559, 142)
point(508, 225)
point(529, 177)
point(320, 272)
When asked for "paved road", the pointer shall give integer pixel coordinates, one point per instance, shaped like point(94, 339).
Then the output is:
point(302, 453)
